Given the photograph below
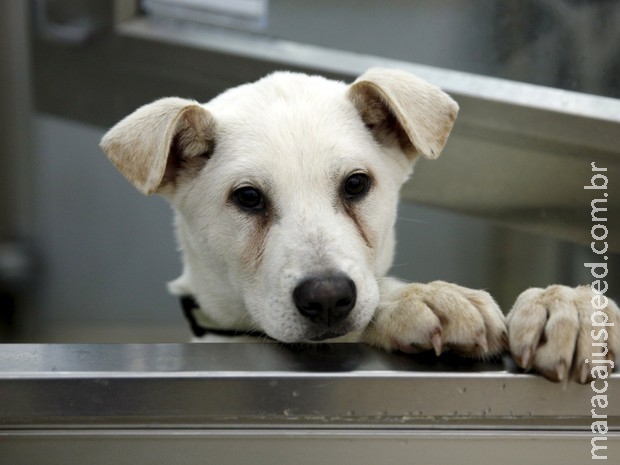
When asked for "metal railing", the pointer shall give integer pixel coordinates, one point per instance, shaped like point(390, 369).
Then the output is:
point(190, 399)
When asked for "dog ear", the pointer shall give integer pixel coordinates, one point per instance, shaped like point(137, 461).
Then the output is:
point(156, 143)
point(399, 107)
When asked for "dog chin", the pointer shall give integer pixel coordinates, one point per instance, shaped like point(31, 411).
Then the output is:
point(333, 334)
point(328, 336)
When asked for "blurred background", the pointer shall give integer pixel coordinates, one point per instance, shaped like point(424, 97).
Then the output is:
point(85, 258)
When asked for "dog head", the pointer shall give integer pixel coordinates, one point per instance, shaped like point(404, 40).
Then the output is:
point(285, 192)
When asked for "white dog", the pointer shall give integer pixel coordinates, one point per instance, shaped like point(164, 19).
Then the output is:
point(285, 194)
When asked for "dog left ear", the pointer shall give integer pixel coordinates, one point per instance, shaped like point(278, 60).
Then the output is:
point(156, 143)
point(399, 107)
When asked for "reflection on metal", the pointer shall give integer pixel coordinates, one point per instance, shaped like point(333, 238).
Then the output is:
point(260, 402)
point(258, 385)
point(78, 32)
point(241, 14)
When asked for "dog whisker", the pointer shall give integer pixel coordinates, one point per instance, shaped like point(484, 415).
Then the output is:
point(412, 220)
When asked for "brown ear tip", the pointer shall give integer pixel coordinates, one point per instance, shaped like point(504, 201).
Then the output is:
point(430, 153)
point(146, 190)
point(103, 143)
point(144, 186)
point(107, 143)
point(454, 108)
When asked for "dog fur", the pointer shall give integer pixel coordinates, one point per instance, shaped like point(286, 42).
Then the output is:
point(264, 184)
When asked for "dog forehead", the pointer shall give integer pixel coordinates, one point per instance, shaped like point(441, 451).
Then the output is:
point(278, 86)
point(289, 116)
point(284, 102)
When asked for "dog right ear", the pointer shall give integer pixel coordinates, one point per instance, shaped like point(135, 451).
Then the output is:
point(400, 108)
point(156, 143)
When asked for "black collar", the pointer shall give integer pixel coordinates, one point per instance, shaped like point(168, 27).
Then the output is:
point(193, 314)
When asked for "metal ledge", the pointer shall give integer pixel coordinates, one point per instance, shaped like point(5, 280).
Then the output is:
point(310, 447)
point(258, 386)
point(519, 154)
point(350, 65)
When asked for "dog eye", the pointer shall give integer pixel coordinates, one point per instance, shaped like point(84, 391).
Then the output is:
point(249, 198)
point(356, 185)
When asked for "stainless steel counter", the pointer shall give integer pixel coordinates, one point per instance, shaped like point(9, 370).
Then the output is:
point(267, 403)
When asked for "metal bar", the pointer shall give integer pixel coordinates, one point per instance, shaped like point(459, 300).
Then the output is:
point(275, 386)
point(270, 447)
point(508, 134)
point(350, 65)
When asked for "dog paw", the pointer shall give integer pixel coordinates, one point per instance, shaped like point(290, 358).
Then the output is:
point(438, 316)
point(564, 332)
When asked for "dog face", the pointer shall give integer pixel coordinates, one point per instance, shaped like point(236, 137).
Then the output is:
point(285, 192)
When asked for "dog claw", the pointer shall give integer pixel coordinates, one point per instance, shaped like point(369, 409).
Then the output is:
point(481, 341)
point(560, 370)
point(436, 342)
point(504, 341)
point(583, 373)
point(524, 361)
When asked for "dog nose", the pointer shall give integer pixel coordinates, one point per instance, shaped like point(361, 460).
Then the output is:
point(327, 299)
